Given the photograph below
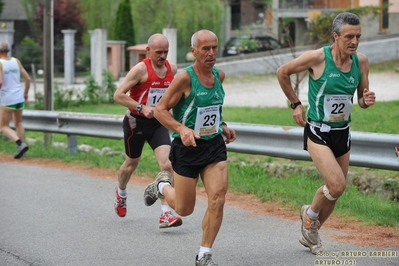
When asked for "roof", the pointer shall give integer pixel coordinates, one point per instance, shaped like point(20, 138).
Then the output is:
point(13, 10)
point(138, 47)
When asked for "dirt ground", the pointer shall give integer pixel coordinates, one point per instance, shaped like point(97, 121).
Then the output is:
point(355, 232)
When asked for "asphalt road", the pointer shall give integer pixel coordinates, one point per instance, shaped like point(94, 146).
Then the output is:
point(54, 217)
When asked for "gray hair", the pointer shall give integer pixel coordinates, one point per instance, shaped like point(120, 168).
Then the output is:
point(194, 40)
point(343, 19)
point(4, 47)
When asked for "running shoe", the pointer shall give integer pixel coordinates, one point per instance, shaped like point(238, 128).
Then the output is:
point(206, 260)
point(120, 204)
point(315, 249)
point(167, 219)
point(21, 149)
point(151, 193)
point(310, 227)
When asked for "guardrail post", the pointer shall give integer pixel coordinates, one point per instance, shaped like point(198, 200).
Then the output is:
point(72, 144)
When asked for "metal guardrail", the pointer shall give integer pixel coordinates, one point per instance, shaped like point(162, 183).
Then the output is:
point(373, 150)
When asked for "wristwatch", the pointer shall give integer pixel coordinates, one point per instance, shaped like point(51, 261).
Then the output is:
point(294, 105)
point(139, 107)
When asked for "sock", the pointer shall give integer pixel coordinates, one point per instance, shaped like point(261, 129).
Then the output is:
point(166, 208)
point(312, 214)
point(122, 192)
point(19, 142)
point(202, 251)
point(162, 185)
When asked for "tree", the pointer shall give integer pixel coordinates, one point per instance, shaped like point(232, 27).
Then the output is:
point(31, 54)
point(186, 17)
point(67, 15)
point(100, 14)
point(124, 30)
point(1, 6)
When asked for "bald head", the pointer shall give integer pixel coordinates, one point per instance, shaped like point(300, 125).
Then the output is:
point(4, 47)
point(201, 35)
point(156, 40)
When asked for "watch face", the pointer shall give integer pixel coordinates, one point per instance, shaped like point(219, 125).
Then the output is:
point(294, 105)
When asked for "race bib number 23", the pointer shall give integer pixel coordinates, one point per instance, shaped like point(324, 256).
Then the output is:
point(207, 121)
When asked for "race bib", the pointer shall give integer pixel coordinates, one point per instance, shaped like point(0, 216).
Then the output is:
point(207, 121)
point(337, 108)
point(154, 96)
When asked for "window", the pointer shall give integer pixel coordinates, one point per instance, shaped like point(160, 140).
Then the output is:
point(384, 22)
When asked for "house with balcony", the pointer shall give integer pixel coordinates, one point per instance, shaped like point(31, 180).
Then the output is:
point(260, 18)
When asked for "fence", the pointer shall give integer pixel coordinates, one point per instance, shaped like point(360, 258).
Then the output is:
point(373, 150)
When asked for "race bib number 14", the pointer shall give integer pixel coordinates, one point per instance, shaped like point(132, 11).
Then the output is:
point(154, 95)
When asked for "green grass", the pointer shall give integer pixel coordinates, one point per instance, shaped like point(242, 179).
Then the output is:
point(248, 173)
point(295, 189)
point(384, 66)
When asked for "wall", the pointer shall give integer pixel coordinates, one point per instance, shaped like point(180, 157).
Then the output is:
point(394, 7)
point(376, 51)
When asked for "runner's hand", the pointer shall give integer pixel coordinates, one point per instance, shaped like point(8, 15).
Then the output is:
point(229, 133)
point(188, 137)
point(299, 115)
point(368, 97)
point(148, 111)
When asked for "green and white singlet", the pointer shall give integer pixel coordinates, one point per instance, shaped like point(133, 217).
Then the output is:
point(202, 109)
point(331, 96)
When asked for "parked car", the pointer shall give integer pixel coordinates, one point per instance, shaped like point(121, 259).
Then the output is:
point(250, 44)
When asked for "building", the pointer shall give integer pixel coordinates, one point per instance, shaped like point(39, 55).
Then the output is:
point(14, 18)
point(259, 18)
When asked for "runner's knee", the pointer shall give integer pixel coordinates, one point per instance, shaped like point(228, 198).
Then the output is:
point(217, 200)
point(327, 194)
point(334, 193)
point(183, 210)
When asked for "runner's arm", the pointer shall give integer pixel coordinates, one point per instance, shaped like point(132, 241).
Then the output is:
point(136, 75)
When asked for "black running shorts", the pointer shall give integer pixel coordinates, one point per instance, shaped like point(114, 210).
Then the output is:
point(338, 140)
point(189, 161)
point(137, 130)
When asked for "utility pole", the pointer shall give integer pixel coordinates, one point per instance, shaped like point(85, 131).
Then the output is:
point(48, 54)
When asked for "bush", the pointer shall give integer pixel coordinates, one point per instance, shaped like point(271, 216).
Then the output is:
point(30, 54)
point(93, 93)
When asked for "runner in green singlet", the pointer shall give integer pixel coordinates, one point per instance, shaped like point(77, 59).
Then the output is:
point(198, 148)
point(336, 72)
